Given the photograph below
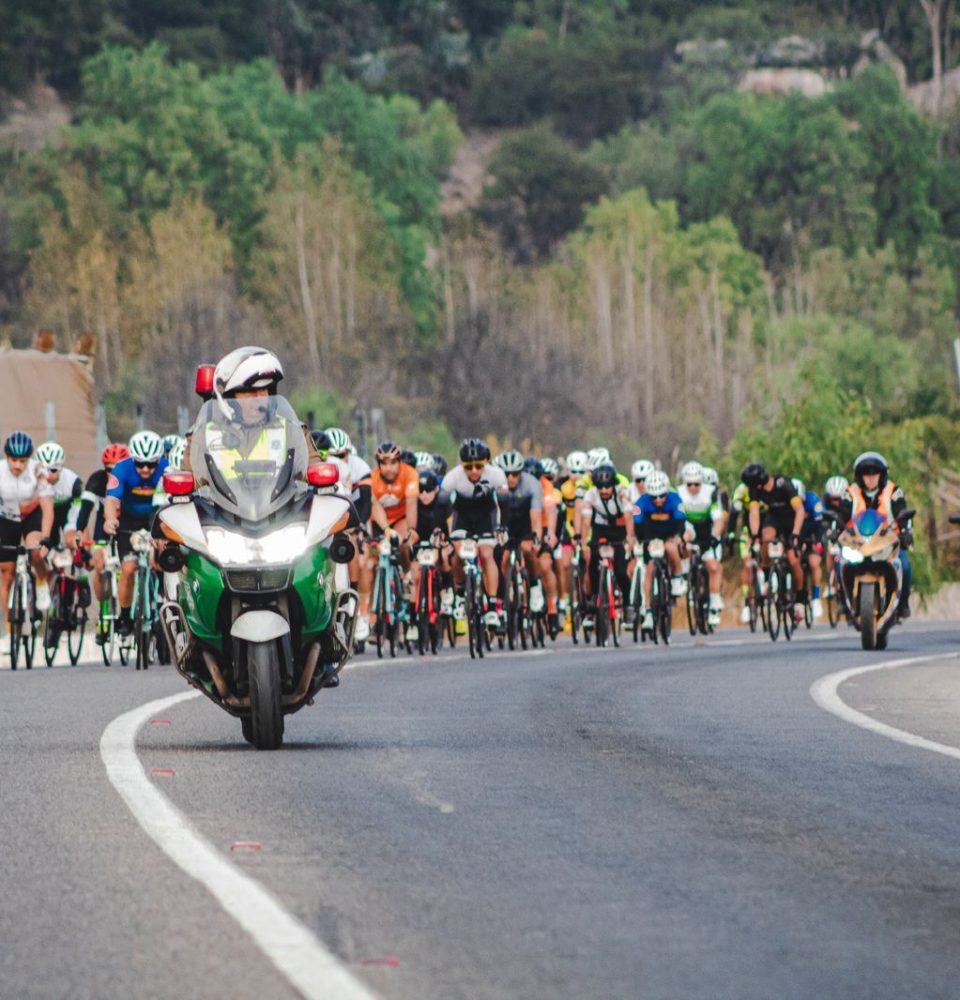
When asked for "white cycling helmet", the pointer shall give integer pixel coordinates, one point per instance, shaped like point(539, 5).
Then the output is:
point(800, 488)
point(509, 461)
point(169, 440)
point(710, 476)
point(598, 456)
point(246, 368)
point(50, 455)
point(641, 469)
point(837, 486)
point(549, 466)
point(577, 463)
point(339, 441)
point(658, 484)
point(692, 473)
point(424, 461)
point(146, 446)
point(177, 454)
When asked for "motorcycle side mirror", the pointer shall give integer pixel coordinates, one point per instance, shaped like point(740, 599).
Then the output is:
point(323, 474)
point(170, 559)
point(341, 549)
point(204, 381)
point(178, 484)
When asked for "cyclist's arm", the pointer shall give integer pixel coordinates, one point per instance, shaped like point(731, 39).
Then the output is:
point(799, 514)
point(378, 515)
point(46, 516)
point(753, 518)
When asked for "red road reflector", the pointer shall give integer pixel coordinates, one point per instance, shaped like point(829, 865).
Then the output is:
point(163, 772)
point(246, 845)
point(390, 961)
point(159, 722)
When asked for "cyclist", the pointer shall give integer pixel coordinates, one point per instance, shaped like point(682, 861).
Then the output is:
point(659, 514)
point(26, 514)
point(782, 517)
point(738, 506)
point(473, 486)
point(433, 523)
point(521, 515)
point(811, 540)
point(638, 476)
point(92, 500)
point(552, 505)
point(836, 492)
point(607, 515)
point(576, 465)
point(169, 440)
point(705, 528)
point(712, 478)
point(67, 487)
point(873, 489)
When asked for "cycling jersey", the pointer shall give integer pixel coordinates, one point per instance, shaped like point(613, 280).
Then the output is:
point(666, 521)
point(704, 514)
point(475, 507)
point(813, 525)
point(21, 495)
point(431, 517)
point(393, 496)
point(517, 503)
point(91, 499)
point(568, 496)
point(66, 495)
point(608, 517)
point(133, 491)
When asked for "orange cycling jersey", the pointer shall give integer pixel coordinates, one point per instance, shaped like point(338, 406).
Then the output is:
point(392, 496)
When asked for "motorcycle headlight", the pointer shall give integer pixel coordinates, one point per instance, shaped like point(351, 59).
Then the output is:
point(285, 545)
point(850, 555)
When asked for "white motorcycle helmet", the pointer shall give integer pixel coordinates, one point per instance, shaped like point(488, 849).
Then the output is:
point(245, 368)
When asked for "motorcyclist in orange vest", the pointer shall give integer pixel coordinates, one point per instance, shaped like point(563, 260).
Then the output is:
point(874, 490)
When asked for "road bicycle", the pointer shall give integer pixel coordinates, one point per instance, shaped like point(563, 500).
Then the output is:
point(579, 619)
point(698, 593)
point(69, 600)
point(426, 601)
point(23, 619)
point(780, 595)
point(108, 607)
point(608, 601)
point(474, 597)
point(141, 641)
point(516, 601)
point(388, 602)
point(661, 601)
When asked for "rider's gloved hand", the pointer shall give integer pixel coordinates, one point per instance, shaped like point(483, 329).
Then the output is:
point(906, 538)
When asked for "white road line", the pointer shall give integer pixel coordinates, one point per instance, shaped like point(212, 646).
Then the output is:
point(824, 693)
point(300, 957)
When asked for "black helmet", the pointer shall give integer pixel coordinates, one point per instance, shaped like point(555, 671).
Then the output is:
point(532, 465)
point(388, 450)
point(321, 440)
point(440, 465)
point(408, 457)
point(604, 476)
point(871, 463)
point(754, 475)
point(428, 481)
point(474, 450)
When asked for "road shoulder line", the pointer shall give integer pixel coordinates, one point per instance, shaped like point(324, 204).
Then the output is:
point(825, 694)
point(293, 949)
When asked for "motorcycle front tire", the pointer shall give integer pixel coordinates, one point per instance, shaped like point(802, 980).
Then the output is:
point(266, 715)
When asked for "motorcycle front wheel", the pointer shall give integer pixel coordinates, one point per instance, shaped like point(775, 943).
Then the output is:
point(868, 618)
point(266, 716)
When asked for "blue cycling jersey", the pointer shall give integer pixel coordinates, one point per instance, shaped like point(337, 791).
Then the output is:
point(133, 491)
point(659, 522)
point(812, 506)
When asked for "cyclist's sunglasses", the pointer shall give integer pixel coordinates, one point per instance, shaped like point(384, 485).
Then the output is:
point(473, 465)
point(146, 465)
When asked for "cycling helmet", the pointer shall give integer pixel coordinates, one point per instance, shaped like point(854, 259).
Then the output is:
point(473, 450)
point(408, 457)
point(692, 474)
point(509, 461)
point(114, 453)
point(710, 476)
point(549, 467)
point(533, 465)
point(321, 441)
point(146, 446)
point(169, 440)
point(604, 476)
point(754, 475)
point(597, 456)
point(577, 463)
point(658, 484)
point(339, 441)
point(440, 465)
point(428, 481)
point(800, 488)
point(424, 460)
point(18, 445)
point(177, 454)
point(388, 450)
point(641, 469)
point(870, 463)
point(246, 368)
point(51, 455)
point(837, 486)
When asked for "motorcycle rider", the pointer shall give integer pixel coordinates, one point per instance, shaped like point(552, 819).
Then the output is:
point(873, 489)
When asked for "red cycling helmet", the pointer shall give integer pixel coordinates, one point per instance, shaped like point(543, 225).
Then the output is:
point(114, 453)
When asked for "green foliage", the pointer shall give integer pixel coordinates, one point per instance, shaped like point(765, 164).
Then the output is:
point(431, 435)
point(541, 185)
point(329, 408)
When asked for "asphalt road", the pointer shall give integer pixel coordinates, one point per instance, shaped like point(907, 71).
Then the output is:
point(636, 823)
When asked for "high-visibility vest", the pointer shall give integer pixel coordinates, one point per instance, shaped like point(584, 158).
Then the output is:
point(270, 446)
point(884, 504)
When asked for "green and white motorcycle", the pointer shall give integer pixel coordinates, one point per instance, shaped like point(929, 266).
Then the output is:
point(257, 608)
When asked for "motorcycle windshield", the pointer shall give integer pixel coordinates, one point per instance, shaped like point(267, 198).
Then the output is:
point(249, 455)
point(869, 522)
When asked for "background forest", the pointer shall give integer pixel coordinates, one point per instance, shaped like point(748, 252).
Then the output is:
point(723, 227)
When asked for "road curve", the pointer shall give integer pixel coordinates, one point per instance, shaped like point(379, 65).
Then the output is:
point(635, 823)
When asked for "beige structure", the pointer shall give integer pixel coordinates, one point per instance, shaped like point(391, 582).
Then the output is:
point(29, 381)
